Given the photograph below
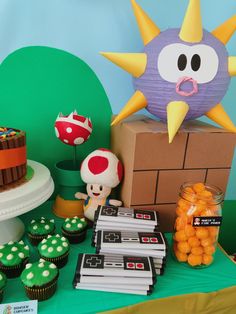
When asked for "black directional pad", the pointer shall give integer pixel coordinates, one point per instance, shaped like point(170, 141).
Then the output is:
point(94, 261)
point(111, 237)
point(109, 211)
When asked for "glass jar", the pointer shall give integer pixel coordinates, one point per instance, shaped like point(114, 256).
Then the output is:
point(197, 224)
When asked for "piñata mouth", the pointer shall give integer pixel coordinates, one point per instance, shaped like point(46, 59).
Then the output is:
point(185, 82)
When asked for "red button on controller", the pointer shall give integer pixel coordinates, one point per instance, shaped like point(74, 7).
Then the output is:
point(140, 266)
point(131, 265)
point(154, 240)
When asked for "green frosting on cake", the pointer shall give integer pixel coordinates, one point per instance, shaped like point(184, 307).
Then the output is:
point(53, 246)
point(39, 273)
point(13, 253)
point(3, 280)
point(41, 226)
point(74, 224)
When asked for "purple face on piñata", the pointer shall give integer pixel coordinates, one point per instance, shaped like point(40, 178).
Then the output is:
point(176, 70)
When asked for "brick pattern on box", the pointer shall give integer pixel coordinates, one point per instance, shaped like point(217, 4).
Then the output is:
point(218, 147)
point(149, 155)
point(169, 182)
point(144, 181)
point(218, 177)
point(155, 170)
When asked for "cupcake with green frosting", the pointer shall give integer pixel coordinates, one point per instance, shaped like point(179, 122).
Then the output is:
point(74, 229)
point(3, 281)
point(13, 257)
point(39, 229)
point(40, 280)
point(55, 249)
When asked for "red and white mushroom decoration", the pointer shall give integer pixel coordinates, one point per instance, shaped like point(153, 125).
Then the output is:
point(101, 171)
point(73, 129)
point(102, 167)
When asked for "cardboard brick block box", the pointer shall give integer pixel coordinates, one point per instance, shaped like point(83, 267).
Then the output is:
point(155, 169)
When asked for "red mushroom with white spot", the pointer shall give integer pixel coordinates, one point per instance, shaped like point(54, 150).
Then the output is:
point(101, 171)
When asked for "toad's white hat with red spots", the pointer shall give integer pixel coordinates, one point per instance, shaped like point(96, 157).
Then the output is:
point(102, 167)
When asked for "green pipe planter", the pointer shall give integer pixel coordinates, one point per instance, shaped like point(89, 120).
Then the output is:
point(69, 182)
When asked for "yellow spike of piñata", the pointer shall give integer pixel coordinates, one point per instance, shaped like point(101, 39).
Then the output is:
point(134, 63)
point(191, 30)
point(147, 27)
point(225, 31)
point(176, 112)
point(136, 103)
point(219, 116)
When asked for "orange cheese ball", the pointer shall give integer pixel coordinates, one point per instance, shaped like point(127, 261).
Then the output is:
point(189, 218)
point(202, 233)
point(180, 211)
point(214, 240)
point(181, 257)
point(207, 213)
point(197, 250)
point(184, 204)
point(209, 250)
point(189, 231)
point(202, 203)
point(207, 195)
point(194, 260)
point(213, 207)
point(213, 231)
point(184, 247)
point(198, 187)
point(180, 236)
point(188, 190)
point(207, 259)
point(190, 197)
point(179, 223)
point(206, 242)
point(199, 207)
point(194, 242)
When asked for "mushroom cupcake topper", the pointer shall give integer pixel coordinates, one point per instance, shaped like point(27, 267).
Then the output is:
point(182, 73)
point(101, 171)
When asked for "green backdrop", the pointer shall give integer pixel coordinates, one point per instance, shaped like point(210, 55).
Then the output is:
point(228, 232)
point(36, 83)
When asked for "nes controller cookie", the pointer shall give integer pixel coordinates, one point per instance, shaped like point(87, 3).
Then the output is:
point(130, 240)
point(158, 258)
point(159, 254)
point(115, 266)
point(112, 289)
point(126, 215)
point(108, 225)
point(114, 280)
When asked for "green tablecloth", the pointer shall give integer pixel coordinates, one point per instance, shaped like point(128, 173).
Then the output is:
point(177, 280)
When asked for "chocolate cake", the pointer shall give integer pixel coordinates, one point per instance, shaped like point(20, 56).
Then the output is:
point(12, 156)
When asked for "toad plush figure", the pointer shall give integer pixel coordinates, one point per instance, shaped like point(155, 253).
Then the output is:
point(101, 171)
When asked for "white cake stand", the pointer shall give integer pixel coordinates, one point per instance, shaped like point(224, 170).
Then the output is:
point(22, 199)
